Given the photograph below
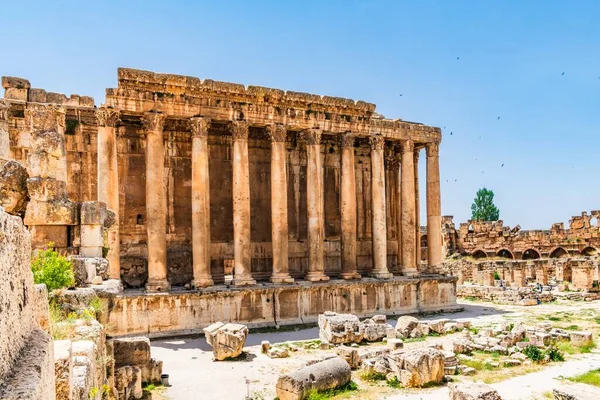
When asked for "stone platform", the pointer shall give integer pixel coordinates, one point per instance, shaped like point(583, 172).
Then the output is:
point(188, 312)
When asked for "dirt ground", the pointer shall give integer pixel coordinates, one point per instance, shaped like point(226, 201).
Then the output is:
point(193, 374)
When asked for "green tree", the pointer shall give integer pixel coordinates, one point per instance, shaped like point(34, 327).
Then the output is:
point(52, 269)
point(483, 208)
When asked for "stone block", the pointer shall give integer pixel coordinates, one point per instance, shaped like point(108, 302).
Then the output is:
point(13, 187)
point(278, 352)
point(227, 340)
point(86, 268)
point(86, 101)
point(581, 338)
point(37, 95)
point(576, 392)
point(46, 189)
point(265, 345)
point(60, 212)
point(42, 165)
point(91, 236)
point(63, 369)
point(374, 329)
point(339, 328)
point(395, 344)
point(406, 325)
point(42, 235)
point(15, 94)
point(93, 213)
point(350, 355)
point(437, 325)
point(420, 367)
point(324, 375)
point(473, 391)
point(131, 351)
point(128, 382)
point(56, 98)
point(15, 82)
point(82, 381)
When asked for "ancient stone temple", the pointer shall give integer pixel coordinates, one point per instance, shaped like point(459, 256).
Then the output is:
point(213, 182)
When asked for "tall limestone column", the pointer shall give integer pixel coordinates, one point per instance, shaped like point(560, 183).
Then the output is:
point(378, 211)
point(434, 207)
point(398, 154)
point(314, 200)
point(408, 209)
point(417, 209)
point(4, 137)
point(108, 182)
point(348, 208)
point(200, 203)
point(242, 245)
point(156, 203)
point(279, 211)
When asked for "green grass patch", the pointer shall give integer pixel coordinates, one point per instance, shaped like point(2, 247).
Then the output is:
point(569, 348)
point(328, 394)
point(416, 339)
point(372, 376)
point(395, 383)
point(479, 365)
point(590, 378)
point(554, 318)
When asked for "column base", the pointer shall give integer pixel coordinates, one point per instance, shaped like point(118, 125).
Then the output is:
point(382, 275)
point(316, 277)
point(203, 282)
point(281, 278)
point(350, 275)
point(243, 281)
point(410, 272)
point(157, 285)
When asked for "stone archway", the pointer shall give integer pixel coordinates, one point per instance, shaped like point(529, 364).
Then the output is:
point(530, 254)
point(478, 254)
point(504, 253)
point(559, 252)
point(589, 251)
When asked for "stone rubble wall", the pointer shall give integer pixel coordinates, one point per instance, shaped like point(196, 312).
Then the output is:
point(26, 350)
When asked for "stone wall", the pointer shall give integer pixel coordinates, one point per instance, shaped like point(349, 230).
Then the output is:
point(275, 305)
point(26, 353)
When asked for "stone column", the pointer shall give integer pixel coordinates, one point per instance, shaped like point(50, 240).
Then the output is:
point(108, 183)
point(348, 208)
point(398, 154)
point(156, 203)
point(417, 210)
point(378, 216)
point(279, 211)
point(314, 200)
point(434, 208)
point(408, 209)
point(200, 203)
point(241, 206)
point(4, 137)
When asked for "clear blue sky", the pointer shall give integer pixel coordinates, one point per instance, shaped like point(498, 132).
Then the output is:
point(459, 65)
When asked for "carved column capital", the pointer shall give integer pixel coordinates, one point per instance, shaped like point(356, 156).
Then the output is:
point(154, 121)
point(239, 129)
point(277, 132)
point(377, 142)
point(107, 117)
point(433, 149)
point(408, 146)
point(199, 126)
point(347, 139)
point(312, 136)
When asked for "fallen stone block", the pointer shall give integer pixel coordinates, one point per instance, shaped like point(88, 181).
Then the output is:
point(135, 351)
point(265, 345)
point(128, 382)
point(473, 391)
point(324, 375)
point(374, 329)
point(581, 338)
point(406, 325)
point(395, 344)
point(340, 328)
point(350, 355)
point(421, 366)
point(227, 340)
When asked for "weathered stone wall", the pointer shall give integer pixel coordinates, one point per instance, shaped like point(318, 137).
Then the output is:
point(26, 370)
point(169, 314)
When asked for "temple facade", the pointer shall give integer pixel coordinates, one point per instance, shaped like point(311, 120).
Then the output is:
point(209, 179)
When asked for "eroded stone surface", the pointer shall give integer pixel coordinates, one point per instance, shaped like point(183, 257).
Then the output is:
point(226, 340)
point(323, 375)
point(473, 391)
point(13, 188)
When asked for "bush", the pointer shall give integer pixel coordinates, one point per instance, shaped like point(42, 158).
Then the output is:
point(52, 269)
point(496, 276)
point(554, 354)
point(533, 353)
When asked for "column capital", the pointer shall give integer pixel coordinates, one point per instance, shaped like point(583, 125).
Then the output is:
point(312, 136)
point(154, 121)
point(107, 117)
point(277, 132)
point(408, 146)
point(240, 129)
point(347, 139)
point(3, 111)
point(433, 149)
point(377, 142)
point(199, 126)
point(391, 161)
point(416, 153)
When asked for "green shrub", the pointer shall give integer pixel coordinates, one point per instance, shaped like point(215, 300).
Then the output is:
point(327, 394)
point(371, 375)
point(554, 354)
point(52, 269)
point(394, 382)
point(496, 276)
point(533, 353)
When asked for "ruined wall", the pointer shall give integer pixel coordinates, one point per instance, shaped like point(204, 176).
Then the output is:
point(493, 239)
point(163, 315)
point(26, 361)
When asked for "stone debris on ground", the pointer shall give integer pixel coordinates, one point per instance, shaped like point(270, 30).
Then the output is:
point(226, 340)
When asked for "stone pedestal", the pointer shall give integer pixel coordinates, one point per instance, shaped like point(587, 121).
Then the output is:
point(108, 183)
point(241, 206)
point(314, 199)
point(200, 203)
point(348, 209)
point(279, 222)
point(378, 213)
point(92, 214)
point(408, 210)
point(434, 208)
point(156, 203)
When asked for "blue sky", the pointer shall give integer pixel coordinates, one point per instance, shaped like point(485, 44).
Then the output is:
point(459, 65)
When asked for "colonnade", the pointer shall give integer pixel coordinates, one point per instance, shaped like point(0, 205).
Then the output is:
point(156, 203)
